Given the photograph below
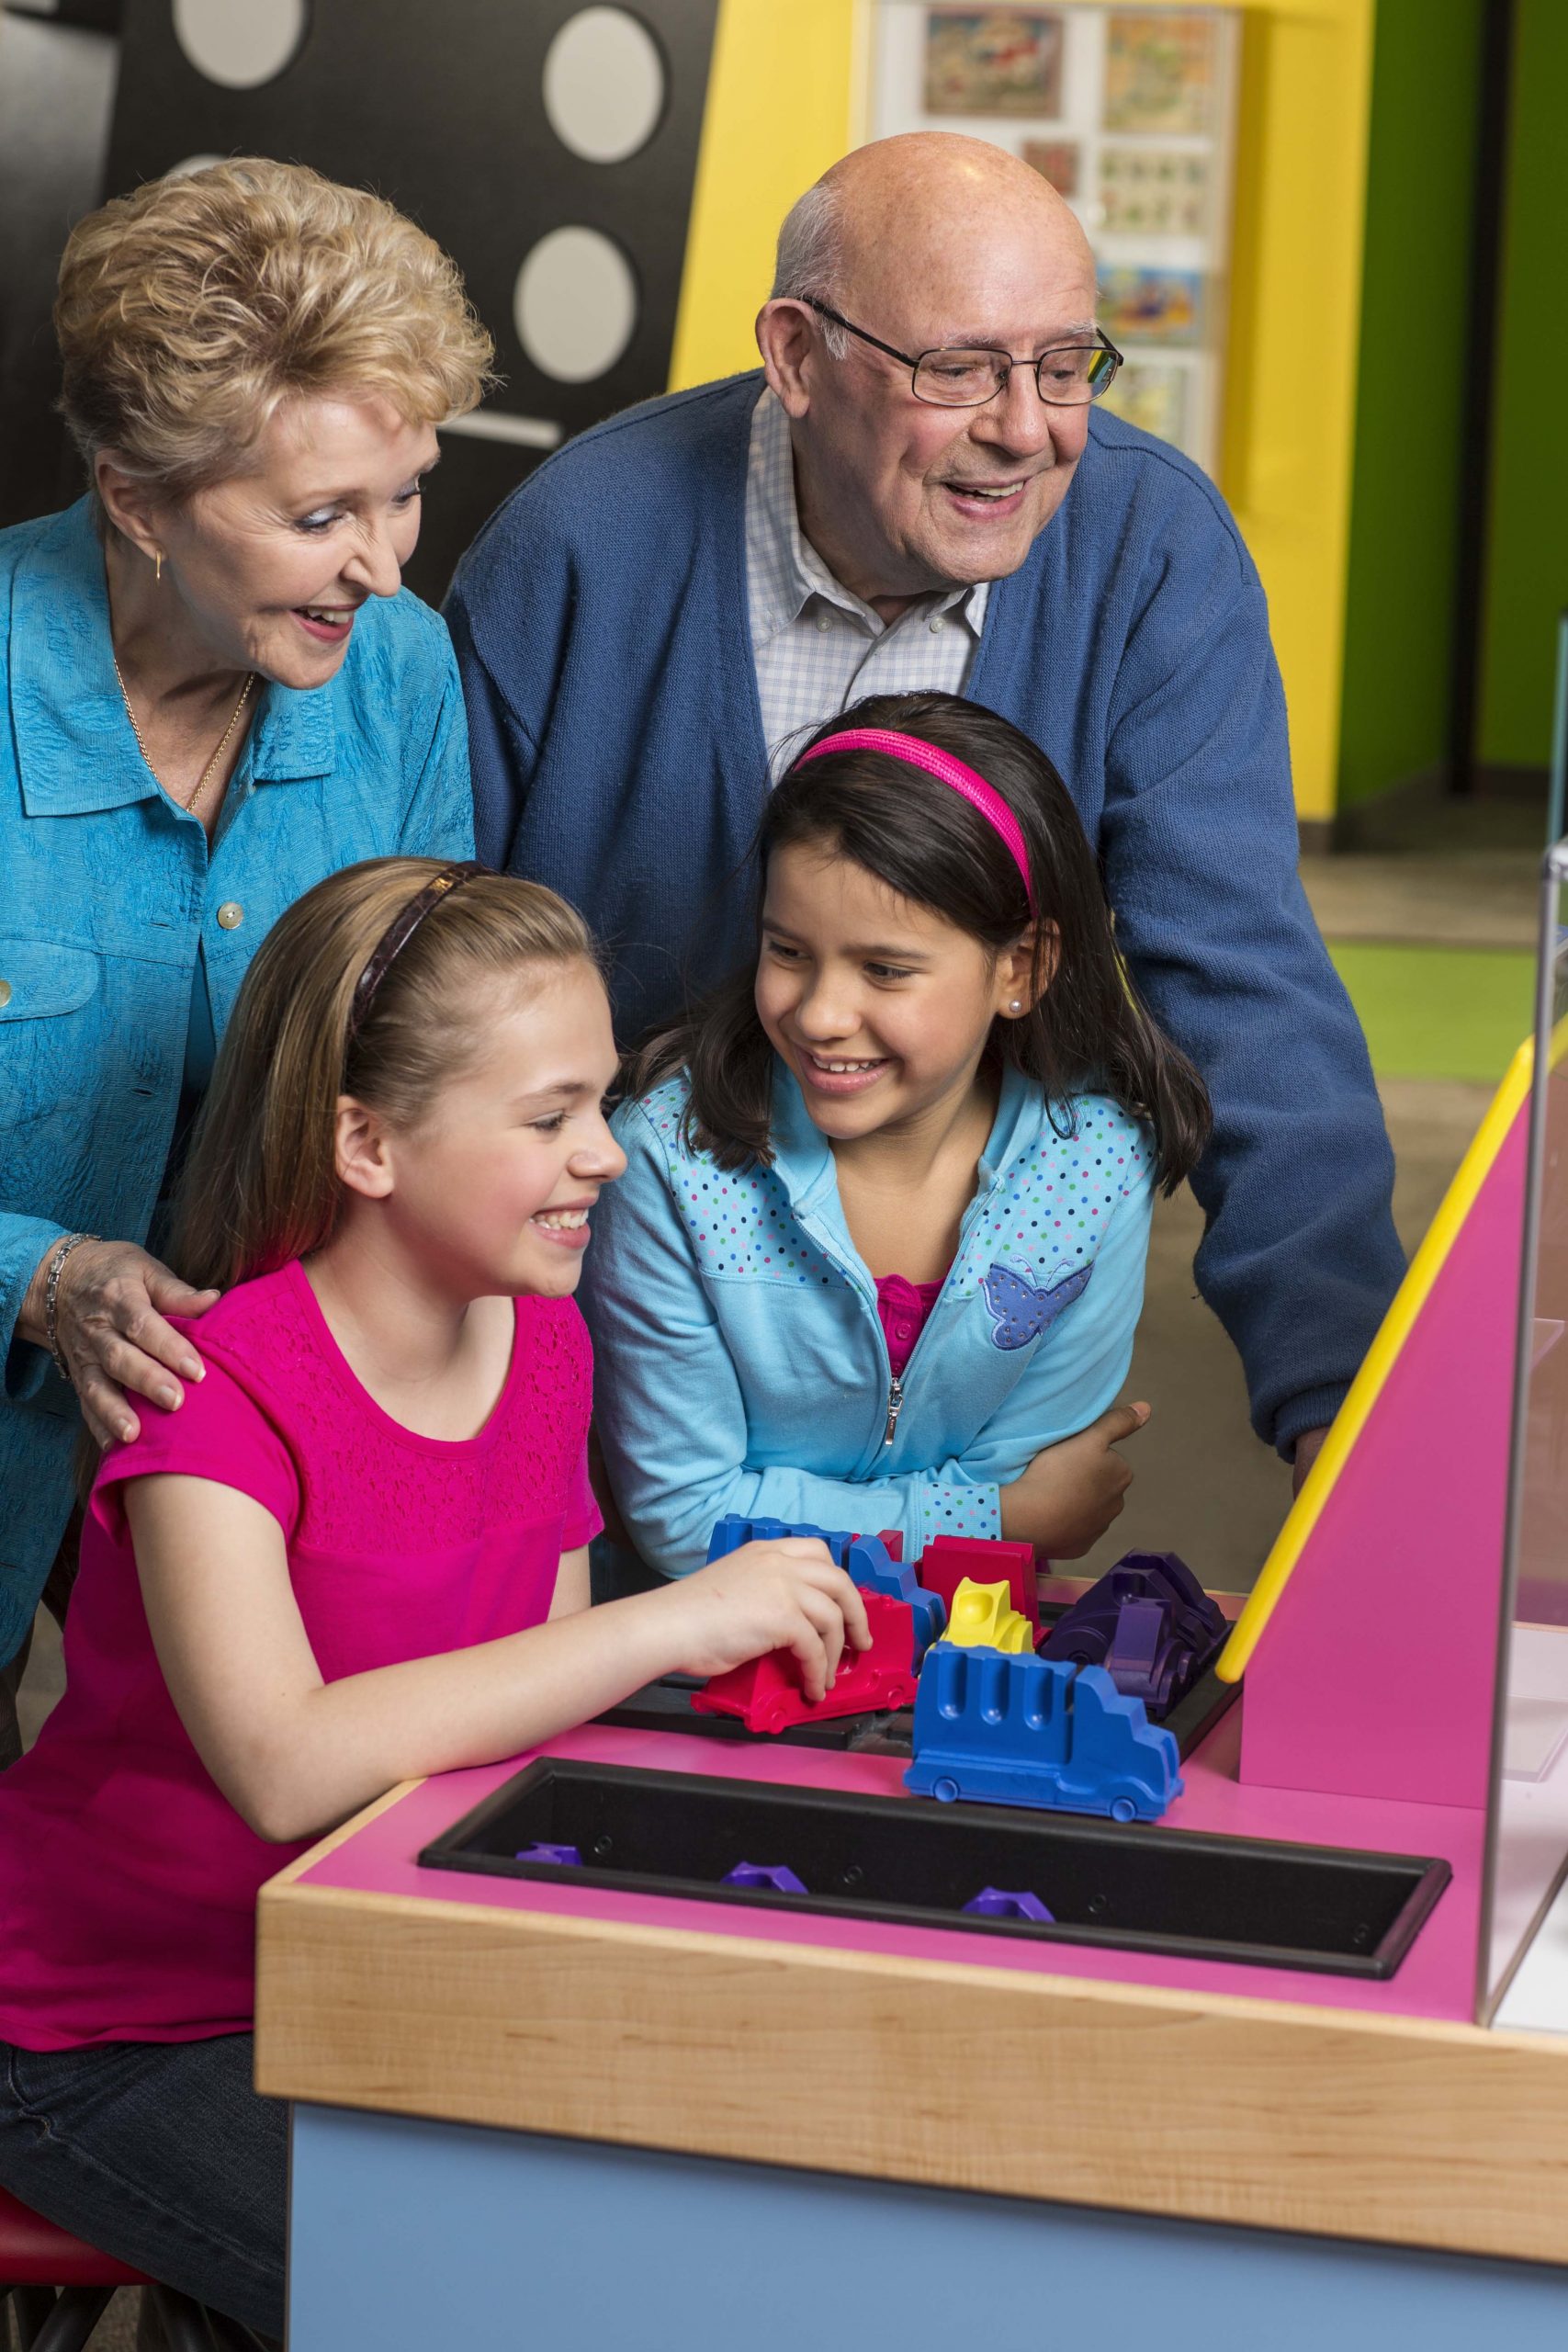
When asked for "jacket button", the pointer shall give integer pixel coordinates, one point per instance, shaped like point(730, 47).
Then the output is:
point(231, 914)
point(5, 993)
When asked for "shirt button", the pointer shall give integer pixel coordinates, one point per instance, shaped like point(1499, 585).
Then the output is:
point(231, 914)
point(5, 993)
point(935, 623)
point(823, 622)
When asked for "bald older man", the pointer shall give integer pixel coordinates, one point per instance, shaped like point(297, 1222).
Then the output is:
point(652, 618)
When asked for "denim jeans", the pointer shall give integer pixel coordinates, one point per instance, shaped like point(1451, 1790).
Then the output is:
point(162, 2155)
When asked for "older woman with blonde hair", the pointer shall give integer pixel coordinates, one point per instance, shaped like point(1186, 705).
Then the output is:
point(217, 692)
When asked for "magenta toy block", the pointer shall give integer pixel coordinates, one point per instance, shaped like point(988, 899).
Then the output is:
point(1009, 1728)
point(996, 1903)
point(892, 1542)
point(778, 1876)
point(567, 1857)
point(766, 1692)
point(946, 1561)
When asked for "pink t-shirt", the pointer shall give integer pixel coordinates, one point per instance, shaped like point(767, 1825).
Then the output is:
point(903, 1308)
point(127, 1883)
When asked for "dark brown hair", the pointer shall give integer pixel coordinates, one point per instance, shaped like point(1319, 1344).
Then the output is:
point(1090, 1031)
point(261, 1184)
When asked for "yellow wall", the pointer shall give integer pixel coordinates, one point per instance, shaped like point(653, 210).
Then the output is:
point(783, 102)
point(1295, 321)
point(787, 96)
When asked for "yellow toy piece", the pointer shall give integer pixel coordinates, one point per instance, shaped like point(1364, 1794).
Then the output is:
point(983, 1616)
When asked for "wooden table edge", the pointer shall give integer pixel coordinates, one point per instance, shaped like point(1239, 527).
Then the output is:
point(1222, 2107)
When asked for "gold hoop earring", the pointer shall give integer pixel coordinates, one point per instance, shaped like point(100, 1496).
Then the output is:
point(158, 568)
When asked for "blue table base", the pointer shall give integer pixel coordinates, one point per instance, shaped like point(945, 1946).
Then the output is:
point(408, 2236)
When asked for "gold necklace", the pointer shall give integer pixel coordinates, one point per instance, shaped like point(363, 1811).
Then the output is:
point(205, 778)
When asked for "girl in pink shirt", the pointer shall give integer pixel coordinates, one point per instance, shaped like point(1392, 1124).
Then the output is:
point(355, 1552)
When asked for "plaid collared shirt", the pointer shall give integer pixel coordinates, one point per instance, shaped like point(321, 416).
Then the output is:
point(816, 647)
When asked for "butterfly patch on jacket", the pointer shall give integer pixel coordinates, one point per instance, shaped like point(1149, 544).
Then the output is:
point(1021, 1313)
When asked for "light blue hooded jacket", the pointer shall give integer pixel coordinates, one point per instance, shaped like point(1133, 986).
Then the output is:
point(740, 1364)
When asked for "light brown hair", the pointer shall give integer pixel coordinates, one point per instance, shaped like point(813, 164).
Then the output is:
point(261, 1184)
point(191, 309)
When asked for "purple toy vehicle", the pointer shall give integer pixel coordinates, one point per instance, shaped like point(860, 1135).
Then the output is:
point(1149, 1623)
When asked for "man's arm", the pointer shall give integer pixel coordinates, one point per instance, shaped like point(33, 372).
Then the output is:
point(1300, 1258)
point(501, 755)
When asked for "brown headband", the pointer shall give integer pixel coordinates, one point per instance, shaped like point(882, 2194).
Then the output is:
point(398, 933)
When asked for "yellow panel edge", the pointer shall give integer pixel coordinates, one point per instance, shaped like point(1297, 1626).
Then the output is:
point(785, 100)
point(1369, 1383)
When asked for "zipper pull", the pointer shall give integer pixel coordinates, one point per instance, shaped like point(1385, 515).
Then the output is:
point(895, 1407)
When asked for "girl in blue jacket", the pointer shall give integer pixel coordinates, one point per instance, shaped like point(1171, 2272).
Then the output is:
point(877, 1257)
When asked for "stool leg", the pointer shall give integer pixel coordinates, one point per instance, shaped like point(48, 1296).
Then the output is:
point(77, 2311)
point(32, 2306)
point(173, 2322)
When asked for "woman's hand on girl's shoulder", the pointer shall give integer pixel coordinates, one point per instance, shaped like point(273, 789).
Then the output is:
point(1071, 1491)
point(785, 1595)
point(110, 1301)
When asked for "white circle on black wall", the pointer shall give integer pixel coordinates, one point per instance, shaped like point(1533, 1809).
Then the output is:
point(575, 305)
point(240, 43)
point(604, 85)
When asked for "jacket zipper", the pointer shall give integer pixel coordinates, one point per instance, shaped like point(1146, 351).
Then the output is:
point(895, 1407)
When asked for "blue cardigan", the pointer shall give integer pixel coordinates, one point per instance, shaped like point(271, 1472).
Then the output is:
point(600, 621)
point(741, 1365)
point(106, 892)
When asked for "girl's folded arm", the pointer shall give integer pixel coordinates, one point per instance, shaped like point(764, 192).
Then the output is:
point(294, 1753)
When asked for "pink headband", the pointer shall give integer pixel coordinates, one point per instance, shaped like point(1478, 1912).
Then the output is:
point(947, 770)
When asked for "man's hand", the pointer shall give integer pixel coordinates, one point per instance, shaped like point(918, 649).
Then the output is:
point(1309, 1446)
point(1070, 1493)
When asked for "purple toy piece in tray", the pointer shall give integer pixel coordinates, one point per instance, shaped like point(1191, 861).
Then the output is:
point(1151, 1626)
point(996, 1903)
point(565, 1857)
point(776, 1875)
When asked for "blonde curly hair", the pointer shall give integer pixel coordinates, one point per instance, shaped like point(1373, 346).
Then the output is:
point(189, 311)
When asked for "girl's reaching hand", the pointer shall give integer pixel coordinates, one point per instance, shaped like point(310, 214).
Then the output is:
point(1070, 1493)
point(784, 1595)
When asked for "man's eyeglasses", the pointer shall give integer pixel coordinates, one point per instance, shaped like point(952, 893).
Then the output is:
point(1069, 375)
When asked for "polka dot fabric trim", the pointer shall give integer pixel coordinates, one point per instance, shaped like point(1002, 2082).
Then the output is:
point(1047, 1214)
point(1043, 1217)
point(742, 1224)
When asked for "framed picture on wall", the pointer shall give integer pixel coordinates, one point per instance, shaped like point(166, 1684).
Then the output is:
point(993, 60)
point(1129, 113)
point(1161, 68)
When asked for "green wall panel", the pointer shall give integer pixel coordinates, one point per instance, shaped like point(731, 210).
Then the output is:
point(1527, 569)
point(1402, 573)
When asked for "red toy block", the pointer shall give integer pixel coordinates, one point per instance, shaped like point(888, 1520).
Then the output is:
point(948, 1559)
point(766, 1692)
point(893, 1542)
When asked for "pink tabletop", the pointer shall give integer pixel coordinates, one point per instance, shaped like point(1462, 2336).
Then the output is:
point(1435, 1980)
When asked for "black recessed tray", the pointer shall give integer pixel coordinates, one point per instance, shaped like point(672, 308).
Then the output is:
point(1186, 1893)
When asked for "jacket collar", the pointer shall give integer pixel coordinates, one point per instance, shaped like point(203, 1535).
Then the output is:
point(75, 750)
point(804, 1162)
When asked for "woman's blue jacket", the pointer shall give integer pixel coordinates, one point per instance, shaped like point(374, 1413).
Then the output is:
point(107, 891)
